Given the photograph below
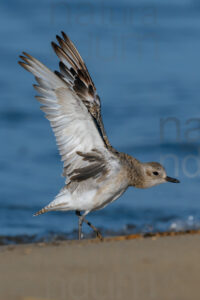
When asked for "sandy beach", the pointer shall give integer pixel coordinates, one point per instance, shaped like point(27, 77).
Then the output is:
point(136, 268)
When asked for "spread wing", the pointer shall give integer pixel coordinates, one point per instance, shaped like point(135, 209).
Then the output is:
point(74, 72)
point(75, 130)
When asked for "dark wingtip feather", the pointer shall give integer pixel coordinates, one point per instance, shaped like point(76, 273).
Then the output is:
point(66, 38)
point(24, 53)
point(59, 39)
point(62, 65)
point(59, 75)
point(22, 57)
point(54, 46)
point(27, 56)
point(63, 34)
point(22, 64)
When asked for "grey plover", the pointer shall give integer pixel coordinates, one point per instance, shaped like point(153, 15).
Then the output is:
point(96, 174)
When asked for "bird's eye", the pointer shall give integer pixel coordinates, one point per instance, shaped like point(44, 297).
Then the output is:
point(155, 173)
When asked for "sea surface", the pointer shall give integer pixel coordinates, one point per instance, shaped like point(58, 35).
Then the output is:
point(144, 57)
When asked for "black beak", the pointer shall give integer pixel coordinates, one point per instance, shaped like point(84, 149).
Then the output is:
point(170, 179)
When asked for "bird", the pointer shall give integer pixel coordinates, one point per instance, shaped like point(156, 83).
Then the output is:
point(96, 173)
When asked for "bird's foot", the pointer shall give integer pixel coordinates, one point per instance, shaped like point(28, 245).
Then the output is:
point(99, 236)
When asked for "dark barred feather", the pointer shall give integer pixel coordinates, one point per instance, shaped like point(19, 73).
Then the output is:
point(93, 170)
point(75, 74)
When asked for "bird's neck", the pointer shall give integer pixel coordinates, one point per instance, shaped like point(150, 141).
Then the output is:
point(135, 170)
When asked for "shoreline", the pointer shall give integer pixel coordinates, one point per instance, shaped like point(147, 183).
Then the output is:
point(29, 240)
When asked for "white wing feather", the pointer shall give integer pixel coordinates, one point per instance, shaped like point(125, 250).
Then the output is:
point(70, 120)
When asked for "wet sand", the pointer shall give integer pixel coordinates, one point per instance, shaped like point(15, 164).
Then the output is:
point(162, 268)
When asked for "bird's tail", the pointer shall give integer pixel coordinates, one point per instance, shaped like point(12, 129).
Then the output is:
point(61, 202)
point(41, 211)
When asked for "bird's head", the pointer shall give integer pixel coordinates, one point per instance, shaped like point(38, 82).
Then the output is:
point(154, 174)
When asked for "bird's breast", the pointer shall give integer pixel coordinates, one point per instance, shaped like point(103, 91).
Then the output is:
point(110, 190)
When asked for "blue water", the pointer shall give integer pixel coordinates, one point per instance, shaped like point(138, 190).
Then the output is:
point(144, 60)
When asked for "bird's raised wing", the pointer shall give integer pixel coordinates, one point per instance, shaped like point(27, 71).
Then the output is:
point(75, 130)
point(75, 73)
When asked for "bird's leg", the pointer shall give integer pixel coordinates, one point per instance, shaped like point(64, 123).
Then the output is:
point(90, 225)
point(80, 222)
point(94, 228)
